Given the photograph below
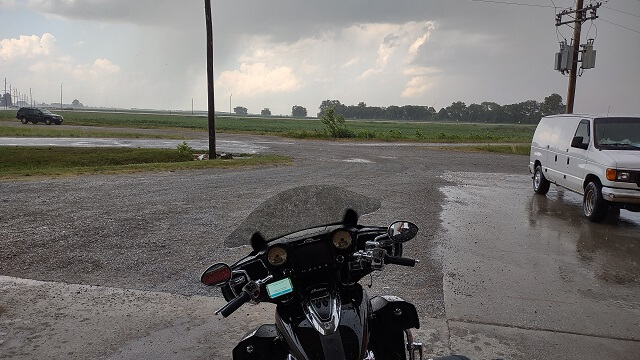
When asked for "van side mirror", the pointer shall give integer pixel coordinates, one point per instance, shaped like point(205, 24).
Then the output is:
point(576, 142)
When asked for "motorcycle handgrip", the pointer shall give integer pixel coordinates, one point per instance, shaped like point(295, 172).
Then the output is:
point(234, 304)
point(399, 261)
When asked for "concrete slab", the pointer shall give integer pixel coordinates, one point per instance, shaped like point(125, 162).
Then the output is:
point(48, 320)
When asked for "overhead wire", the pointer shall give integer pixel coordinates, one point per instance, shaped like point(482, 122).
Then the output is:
point(512, 3)
point(624, 27)
point(620, 11)
point(558, 33)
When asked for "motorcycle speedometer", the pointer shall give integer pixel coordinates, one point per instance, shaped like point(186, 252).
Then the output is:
point(342, 239)
point(277, 256)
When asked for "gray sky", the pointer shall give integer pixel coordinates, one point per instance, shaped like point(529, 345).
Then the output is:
point(281, 53)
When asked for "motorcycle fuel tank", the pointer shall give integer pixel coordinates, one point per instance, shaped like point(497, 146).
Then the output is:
point(346, 339)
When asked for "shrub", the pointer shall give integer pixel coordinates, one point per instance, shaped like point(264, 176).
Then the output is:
point(184, 148)
point(336, 126)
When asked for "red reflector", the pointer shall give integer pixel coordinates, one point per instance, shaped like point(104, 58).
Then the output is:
point(217, 276)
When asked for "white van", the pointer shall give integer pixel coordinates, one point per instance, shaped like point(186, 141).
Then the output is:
point(596, 156)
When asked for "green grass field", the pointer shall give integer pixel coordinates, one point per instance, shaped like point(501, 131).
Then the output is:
point(304, 128)
point(21, 162)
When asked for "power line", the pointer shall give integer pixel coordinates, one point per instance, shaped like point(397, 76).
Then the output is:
point(513, 3)
point(620, 11)
point(624, 27)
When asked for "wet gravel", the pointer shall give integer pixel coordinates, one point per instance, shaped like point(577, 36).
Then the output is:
point(158, 231)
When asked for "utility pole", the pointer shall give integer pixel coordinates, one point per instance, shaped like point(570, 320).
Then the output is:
point(571, 92)
point(4, 94)
point(211, 102)
point(61, 96)
point(588, 60)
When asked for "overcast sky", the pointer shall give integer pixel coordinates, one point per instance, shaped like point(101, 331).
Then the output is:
point(281, 53)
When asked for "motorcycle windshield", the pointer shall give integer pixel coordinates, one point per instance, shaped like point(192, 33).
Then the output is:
point(300, 208)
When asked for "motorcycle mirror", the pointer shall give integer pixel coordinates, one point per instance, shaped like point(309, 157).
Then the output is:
point(216, 275)
point(402, 231)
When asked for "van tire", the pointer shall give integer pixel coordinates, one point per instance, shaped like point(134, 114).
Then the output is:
point(594, 206)
point(540, 183)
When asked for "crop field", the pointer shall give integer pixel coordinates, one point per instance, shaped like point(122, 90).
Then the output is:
point(303, 128)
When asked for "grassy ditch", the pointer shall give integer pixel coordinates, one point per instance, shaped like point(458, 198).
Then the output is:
point(500, 149)
point(307, 128)
point(21, 162)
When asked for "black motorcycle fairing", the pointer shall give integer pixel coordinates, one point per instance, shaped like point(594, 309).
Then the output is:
point(261, 343)
point(390, 317)
point(348, 342)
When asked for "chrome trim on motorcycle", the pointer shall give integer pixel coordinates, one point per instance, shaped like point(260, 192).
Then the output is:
point(329, 326)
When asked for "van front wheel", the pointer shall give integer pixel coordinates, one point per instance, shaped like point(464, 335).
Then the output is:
point(595, 207)
point(540, 183)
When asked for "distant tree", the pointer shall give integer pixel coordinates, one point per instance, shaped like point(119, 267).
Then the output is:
point(552, 105)
point(298, 111)
point(240, 110)
point(265, 112)
point(329, 103)
point(457, 111)
point(76, 103)
point(476, 113)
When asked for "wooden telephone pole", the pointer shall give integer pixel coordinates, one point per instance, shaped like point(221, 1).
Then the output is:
point(211, 103)
point(579, 17)
point(571, 92)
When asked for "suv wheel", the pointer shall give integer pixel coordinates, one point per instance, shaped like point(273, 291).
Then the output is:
point(47, 121)
point(540, 183)
point(24, 120)
point(594, 206)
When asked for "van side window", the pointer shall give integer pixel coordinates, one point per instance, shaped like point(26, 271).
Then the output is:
point(583, 130)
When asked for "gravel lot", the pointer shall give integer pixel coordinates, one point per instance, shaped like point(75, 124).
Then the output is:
point(158, 231)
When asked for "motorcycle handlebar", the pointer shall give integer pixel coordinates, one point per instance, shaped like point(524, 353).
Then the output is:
point(397, 260)
point(234, 304)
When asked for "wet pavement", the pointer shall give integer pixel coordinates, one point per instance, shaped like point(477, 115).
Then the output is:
point(533, 264)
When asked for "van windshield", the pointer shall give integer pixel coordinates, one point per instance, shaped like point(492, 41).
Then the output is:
point(617, 133)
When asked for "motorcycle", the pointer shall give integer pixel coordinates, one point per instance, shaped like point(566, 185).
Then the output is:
point(312, 276)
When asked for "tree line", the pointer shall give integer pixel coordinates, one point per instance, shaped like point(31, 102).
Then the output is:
point(526, 112)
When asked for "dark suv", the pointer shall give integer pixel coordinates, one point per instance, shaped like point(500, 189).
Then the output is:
point(36, 115)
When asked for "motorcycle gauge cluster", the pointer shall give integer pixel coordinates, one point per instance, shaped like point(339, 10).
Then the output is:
point(277, 256)
point(342, 239)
